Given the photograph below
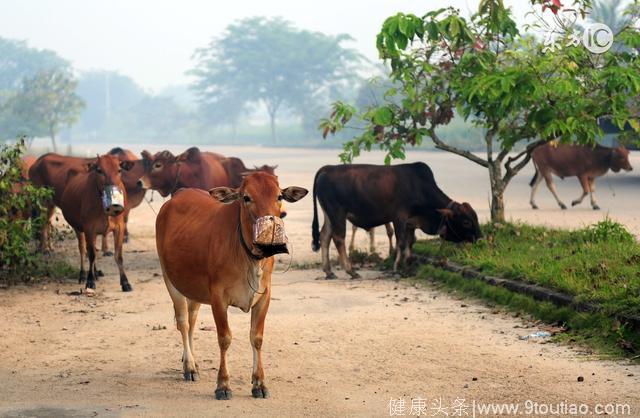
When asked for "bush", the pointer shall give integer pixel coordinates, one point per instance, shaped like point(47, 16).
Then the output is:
point(22, 212)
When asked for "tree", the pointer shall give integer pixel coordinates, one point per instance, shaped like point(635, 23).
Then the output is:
point(46, 102)
point(18, 61)
point(504, 82)
point(268, 61)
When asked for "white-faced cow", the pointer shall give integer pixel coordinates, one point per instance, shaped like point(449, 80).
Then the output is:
point(216, 248)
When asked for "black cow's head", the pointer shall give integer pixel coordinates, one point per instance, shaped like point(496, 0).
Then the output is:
point(459, 223)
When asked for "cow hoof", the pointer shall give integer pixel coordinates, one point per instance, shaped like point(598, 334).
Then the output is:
point(107, 253)
point(260, 392)
point(355, 275)
point(534, 206)
point(223, 394)
point(596, 207)
point(191, 376)
point(330, 276)
point(563, 206)
point(127, 287)
point(81, 276)
point(99, 273)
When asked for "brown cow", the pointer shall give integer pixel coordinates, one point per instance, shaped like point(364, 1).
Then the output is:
point(167, 173)
point(212, 250)
point(53, 170)
point(93, 202)
point(580, 161)
point(236, 170)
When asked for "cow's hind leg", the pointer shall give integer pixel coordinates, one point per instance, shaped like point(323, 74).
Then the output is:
point(372, 240)
point(592, 190)
point(219, 308)
point(194, 308)
point(584, 182)
point(401, 243)
point(47, 226)
point(180, 307)
point(534, 189)
point(390, 233)
point(82, 248)
point(338, 239)
point(325, 242)
point(119, 240)
point(105, 244)
point(258, 315)
point(352, 245)
point(552, 188)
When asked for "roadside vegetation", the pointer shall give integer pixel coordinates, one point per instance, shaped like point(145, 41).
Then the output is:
point(22, 214)
point(599, 264)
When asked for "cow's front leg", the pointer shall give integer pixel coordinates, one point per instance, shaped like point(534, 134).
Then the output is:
point(352, 244)
point(82, 249)
point(119, 241)
point(401, 243)
point(592, 190)
point(584, 182)
point(219, 308)
point(90, 239)
point(372, 240)
point(258, 315)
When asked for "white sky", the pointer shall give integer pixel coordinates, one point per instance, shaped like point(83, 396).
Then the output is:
point(152, 41)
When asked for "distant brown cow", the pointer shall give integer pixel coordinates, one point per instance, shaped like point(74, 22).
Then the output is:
point(93, 202)
point(580, 161)
point(216, 248)
point(167, 173)
point(236, 170)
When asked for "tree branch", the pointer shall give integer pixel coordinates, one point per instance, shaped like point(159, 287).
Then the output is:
point(466, 154)
point(510, 171)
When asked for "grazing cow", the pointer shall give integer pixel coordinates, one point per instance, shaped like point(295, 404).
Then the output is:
point(53, 170)
point(580, 161)
point(372, 238)
point(371, 195)
point(93, 202)
point(167, 173)
point(213, 250)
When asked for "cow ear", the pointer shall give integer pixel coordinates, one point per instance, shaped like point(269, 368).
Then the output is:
point(146, 155)
point(294, 193)
point(126, 165)
point(446, 212)
point(225, 195)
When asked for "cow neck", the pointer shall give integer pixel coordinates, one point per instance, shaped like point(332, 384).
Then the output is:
point(244, 244)
point(175, 184)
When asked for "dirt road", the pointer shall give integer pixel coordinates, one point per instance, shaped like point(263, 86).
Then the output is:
point(338, 348)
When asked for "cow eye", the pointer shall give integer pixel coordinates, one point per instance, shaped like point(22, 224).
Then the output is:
point(157, 165)
point(98, 170)
point(247, 199)
point(280, 198)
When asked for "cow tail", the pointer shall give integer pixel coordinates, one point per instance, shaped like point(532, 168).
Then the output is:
point(535, 177)
point(315, 227)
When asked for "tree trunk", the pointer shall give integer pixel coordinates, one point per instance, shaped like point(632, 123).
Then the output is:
point(52, 134)
point(272, 118)
point(497, 192)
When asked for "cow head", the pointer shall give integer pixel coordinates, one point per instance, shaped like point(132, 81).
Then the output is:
point(106, 171)
point(459, 223)
point(620, 159)
point(161, 172)
point(132, 177)
point(259, 198)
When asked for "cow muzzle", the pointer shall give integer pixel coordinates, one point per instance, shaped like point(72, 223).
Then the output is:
point(112, 200)
point(269, 236)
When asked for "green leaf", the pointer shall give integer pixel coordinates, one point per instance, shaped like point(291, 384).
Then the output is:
point(383, 116)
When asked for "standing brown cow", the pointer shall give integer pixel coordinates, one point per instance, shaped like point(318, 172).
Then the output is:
point(93, 202)
point(580, 161)
point(167, 173)
point(216, 248)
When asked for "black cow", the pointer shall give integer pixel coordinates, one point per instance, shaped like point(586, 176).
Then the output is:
point(372, 195)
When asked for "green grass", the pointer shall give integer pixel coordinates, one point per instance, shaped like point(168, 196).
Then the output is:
point(599, 264)
point(597, 331)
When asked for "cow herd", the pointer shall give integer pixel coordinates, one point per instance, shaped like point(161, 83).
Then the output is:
point(217, 235)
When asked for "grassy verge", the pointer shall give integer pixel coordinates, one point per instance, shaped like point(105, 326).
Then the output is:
point(599, 264)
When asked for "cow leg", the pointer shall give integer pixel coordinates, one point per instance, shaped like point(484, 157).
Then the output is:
point(584, 182)
point(411, 239)
point(372, 240)
point(223, 392)
point(90, 239)
point(353, 238)
point(338, 240)
point(126, 228)
point(390, 232)
point(47, 226)
point(105, 244)
point(194, 308)
point(258, 315)
point(82, 248)
point(180, 305)
point(119, 241)
point(534, 190)
point(592, 190)
point(401, 242)
point(325, 242)
point(552, 188)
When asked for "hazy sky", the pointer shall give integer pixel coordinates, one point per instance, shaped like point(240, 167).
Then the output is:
point(152, 41)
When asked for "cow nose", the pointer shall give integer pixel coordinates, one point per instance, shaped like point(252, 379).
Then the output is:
point(140, 184)
point(282, 215)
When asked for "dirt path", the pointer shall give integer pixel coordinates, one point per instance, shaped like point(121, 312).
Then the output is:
point(331, 348)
